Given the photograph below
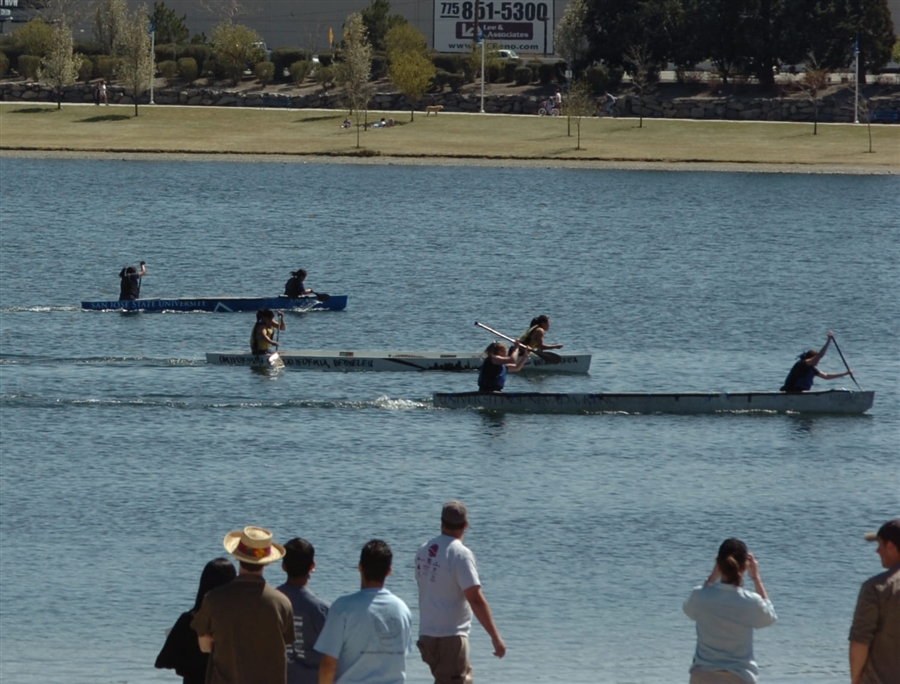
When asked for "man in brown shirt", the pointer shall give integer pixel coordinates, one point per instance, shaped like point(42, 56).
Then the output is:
point(875, 634)
point(245, 625)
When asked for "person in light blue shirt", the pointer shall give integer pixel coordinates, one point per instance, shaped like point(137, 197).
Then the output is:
point(726, 615)
point(367, 634)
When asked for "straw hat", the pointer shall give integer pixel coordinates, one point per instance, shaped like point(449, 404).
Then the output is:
point(253, 545)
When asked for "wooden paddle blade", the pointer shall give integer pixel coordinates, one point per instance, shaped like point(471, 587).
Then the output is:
point(322, 297)
point(548, 357)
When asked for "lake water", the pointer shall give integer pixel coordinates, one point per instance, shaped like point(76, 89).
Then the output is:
point(126, 458)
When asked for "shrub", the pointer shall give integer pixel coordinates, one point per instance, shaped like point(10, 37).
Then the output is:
point(187, 68)
point(456, 81)
point(86, 70)
point(106, 67)
point(168, 70)
point(546, 73)
point(284, 58)
point(326, 58)
point(379, 67)
point(509, 71)
point(87, 47)
point(450, 63)
point(325, 76)
point(602, 79)
point(199, 53)
point(29, 66)
point(265, 72)
point(492, 72)
point(522, 75)
point(300, 70)
point(4, 65)
point(165, 53)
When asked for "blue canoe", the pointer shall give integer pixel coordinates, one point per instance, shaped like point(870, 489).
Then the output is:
point(222, 304)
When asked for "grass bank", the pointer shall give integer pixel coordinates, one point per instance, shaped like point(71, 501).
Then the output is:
point(447, 136)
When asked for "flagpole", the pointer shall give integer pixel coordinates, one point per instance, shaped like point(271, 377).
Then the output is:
point(482, 71)
point(856, 97)
point(152, 60)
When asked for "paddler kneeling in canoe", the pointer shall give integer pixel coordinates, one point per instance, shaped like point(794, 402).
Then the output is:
point(802, 374)
point(499, 362)
point(262, 337)
point(534, 336)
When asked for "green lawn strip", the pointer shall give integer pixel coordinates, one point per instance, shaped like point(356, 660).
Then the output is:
point(314, 132)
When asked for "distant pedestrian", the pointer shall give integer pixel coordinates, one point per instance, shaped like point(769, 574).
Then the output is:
point(97, 92)
point(245, 625)
point(449, 593)
point(726, 615)
point(557, 99)
point(367, 634)
point(309, 612)
point(609, 101)
point(802, 374)
point(875, 634)
point(181, 652)
point(102, 95)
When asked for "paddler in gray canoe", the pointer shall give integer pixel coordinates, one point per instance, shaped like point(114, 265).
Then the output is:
point(802, 374)
point(499, 362)
point(263, 336)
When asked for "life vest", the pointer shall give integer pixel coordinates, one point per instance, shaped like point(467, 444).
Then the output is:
point(800, 379)
point(258, 344)
point(525, 338)
point(491, 377)
point(293, 288)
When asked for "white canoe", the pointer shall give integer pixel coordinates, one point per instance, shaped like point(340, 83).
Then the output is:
point(335, 360)
point(827, 401)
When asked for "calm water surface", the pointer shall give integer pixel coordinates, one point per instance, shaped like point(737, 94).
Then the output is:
point(125, 458)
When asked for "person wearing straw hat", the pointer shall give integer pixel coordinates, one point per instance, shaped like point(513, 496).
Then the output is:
point(875, 633)
point(246, 625)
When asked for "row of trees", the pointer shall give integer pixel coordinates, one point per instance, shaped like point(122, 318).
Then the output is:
point(740, 37)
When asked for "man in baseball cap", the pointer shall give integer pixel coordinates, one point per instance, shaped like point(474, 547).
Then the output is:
point(245, 625)
point(875, 633)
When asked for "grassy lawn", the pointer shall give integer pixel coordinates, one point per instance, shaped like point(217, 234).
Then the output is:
point(317, 132)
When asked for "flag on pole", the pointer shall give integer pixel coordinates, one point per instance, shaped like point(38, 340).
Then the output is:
point(856, 45)
point(331, 37)
point(152, 26)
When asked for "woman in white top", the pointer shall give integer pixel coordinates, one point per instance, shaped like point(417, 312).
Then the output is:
point(726, 615)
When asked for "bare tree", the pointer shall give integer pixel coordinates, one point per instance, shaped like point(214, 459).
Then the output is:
point(66, 11)
point(865, 114)
point(226, 10)
point(109, 19)
point(357, 68)
point(60, 66)
point(137, 63)
point(411, 69)
point(641, 67)
point(579, 104)
point(811, 85)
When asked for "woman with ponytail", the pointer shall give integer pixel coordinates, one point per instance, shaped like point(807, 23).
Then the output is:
point(726, 614)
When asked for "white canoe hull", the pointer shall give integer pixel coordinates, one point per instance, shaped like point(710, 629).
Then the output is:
point(829, 401)
point(335, 360)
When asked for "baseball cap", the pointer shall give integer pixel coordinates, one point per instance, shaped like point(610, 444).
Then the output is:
point(890, 532)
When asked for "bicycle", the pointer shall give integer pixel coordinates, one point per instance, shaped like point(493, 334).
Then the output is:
point(548, 108)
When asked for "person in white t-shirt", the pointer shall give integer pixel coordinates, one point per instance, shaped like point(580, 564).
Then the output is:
point(449, 593)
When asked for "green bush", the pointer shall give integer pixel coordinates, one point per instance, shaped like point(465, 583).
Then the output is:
point(209, 67)
point(379, 67)
point(86, 70)
point(199, 53)
point(456, 81)
point(509, 71)
point(106, 67)
point(450, 63)
point(326, 58)
point(325, 76)
point(29, 66)
point(283, 58)
point(300, 70)
point(168, 70)
point(438, 81)
point(546, 73)
point(265, 72)
point(87, 47)
point(4, 65)
point(187, 68)
point(522, 76)
point(492, 72)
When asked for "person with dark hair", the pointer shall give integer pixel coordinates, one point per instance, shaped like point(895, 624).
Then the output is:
point(263, 335)
point(181, 652)
point(309, 612)
point(245, 625)
point(497, 364)
point(726, 615)
point(130, 287)
point(802, 374)
point(449, 593)
point(875, 633)
point(294, 287)
point(367, 634)
point(534, 336)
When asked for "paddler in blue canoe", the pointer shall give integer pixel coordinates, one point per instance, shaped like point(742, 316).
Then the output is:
point(294, 287)
point(130, 287)
point(499, 362)
point(801, 377)
point(263, 336)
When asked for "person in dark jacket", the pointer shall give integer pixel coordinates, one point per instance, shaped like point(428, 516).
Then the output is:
point(130, 287)
point(294, 287)
point(181, 652)
point(801, 377)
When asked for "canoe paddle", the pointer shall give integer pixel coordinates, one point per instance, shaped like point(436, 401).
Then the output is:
point(845, 361)
point(547, 357)
point(322, 297)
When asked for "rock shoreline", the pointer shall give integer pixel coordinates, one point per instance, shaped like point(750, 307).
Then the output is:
point(836, 107)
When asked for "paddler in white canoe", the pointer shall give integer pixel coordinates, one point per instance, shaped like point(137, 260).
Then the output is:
point(534, 337)
point(262, 339)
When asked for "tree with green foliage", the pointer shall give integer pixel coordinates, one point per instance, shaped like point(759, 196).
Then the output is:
point(612, 26)
point(357, 65)
point(718, 30)
point(170, 28)
point(378, 20)
point(34, 38)
point(570, 36)
point(870, 21)
point(60, 66)
point(137, 64)
point(109, 19)
point(235, 49)
point(411, 69)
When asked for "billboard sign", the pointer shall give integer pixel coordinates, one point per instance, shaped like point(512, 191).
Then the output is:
point(520, 26)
